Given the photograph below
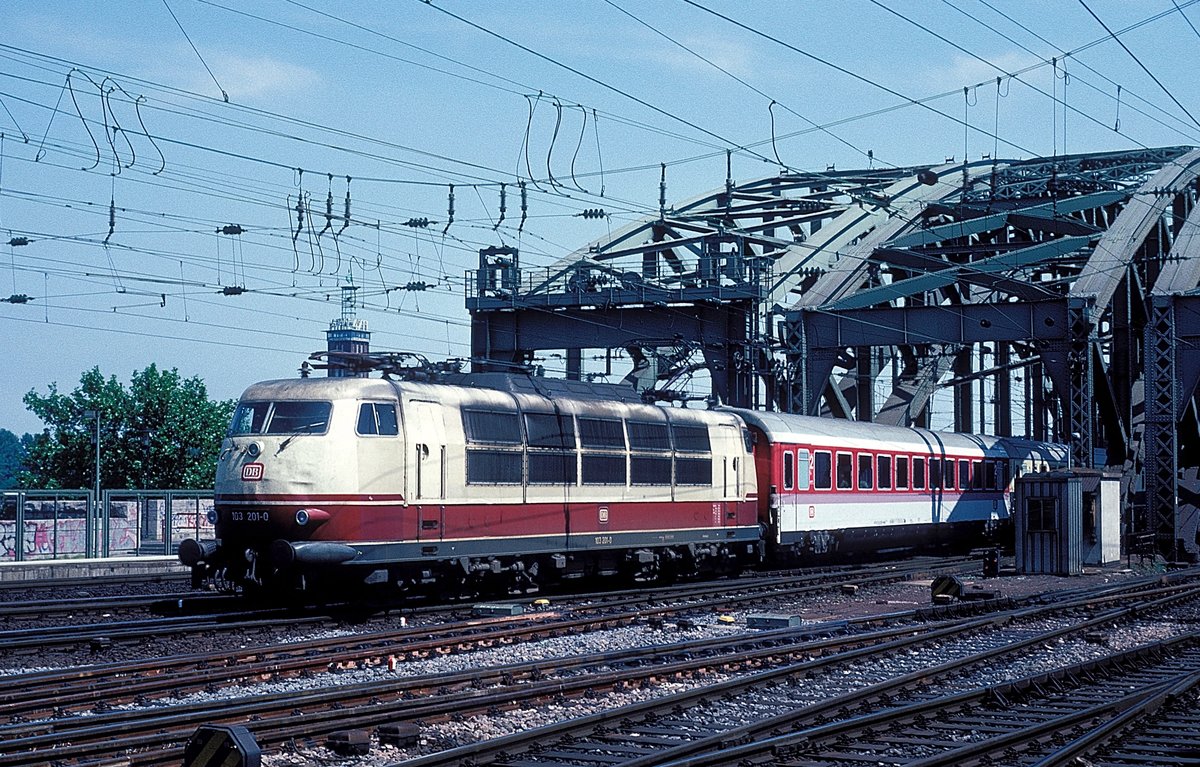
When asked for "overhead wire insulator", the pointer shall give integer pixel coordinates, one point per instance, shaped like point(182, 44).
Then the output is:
point(346, 214)
point(418, 286)
point(328, 209)
point(524, 207)
point(232, 290)
point(592, 213)
point(231, 229)
point(17, 242)
point(450, 211)
point(418, 223)
point(17, 298)
point(503, 206)
point(112, 218)
point(299, 218)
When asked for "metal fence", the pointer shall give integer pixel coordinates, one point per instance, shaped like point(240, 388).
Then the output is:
point(57, 524)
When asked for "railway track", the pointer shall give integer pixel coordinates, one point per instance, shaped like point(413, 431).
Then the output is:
point(79, 690)
point(709, 594)
point(154, 737)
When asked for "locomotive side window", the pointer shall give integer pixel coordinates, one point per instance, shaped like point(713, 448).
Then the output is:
point(551, 439)
point(865, 475)
point(693, 471)
point(823, 475)
point(935, 473)
point(249, 418)
point(649, 470)
point(550, 430)
point(789, 470)
point(494, 467)
point(845, 471)
point(918, 466)
point(601, 433)
point(299, 417)
point(883, 473)
point(646, 435)
point(495, 427)
point(650, 457)
point(378, 418)
point(802, 469)
point(551, 467)
point(902, 472)
point(600, 469)
point(692, 439)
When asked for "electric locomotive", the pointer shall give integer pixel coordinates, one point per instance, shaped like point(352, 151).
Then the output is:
point(496, 483)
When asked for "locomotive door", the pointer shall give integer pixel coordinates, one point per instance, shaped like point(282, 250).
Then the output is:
point(731, 473)
point(426, 432)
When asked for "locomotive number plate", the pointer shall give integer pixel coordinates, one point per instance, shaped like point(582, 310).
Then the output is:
point(252, 472)
point(249, 516)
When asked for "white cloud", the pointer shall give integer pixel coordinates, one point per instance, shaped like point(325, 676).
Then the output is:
point(965, 70)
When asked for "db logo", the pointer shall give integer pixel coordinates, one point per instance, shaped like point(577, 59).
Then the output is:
point(252, 472)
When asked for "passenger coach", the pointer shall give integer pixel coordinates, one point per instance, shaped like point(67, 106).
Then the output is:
point(832, 486)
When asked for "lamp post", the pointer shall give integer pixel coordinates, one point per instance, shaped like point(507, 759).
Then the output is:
point(95, 516)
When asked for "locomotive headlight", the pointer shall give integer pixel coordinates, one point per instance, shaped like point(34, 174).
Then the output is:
point(302, 517)
point(211, 516)
point(253, 449)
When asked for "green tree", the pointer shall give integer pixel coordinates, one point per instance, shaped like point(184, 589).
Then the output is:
point(12, 457)
point(161, 432)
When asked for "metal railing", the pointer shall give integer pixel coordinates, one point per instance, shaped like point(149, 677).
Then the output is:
point(68, 524)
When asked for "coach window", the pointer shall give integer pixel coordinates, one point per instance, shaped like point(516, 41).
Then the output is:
point(935, 473)
point(950, 475)
point(964, 474)
point(976, 475)
point(845, 471)
point(865, 473)
point(918, 475)
point(990, 469)
point(378, 418)
point(823, 474)
point(802, 469)
point(902, 472)
point(883, 472)
point(789, 470)
point(299, 418)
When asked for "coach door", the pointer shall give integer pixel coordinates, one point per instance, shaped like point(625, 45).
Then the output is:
point(426, 432)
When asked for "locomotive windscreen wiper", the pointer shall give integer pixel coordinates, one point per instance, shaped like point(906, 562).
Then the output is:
point(307, 428)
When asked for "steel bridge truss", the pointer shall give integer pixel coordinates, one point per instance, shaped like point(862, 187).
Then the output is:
point(1055, 298)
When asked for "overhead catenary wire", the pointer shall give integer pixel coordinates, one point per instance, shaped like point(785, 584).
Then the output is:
point(1138, 61)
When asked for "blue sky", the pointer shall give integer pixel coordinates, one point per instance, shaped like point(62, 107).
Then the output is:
point(405, 99)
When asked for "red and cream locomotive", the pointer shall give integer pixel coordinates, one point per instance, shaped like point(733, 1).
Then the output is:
point(504, 483)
